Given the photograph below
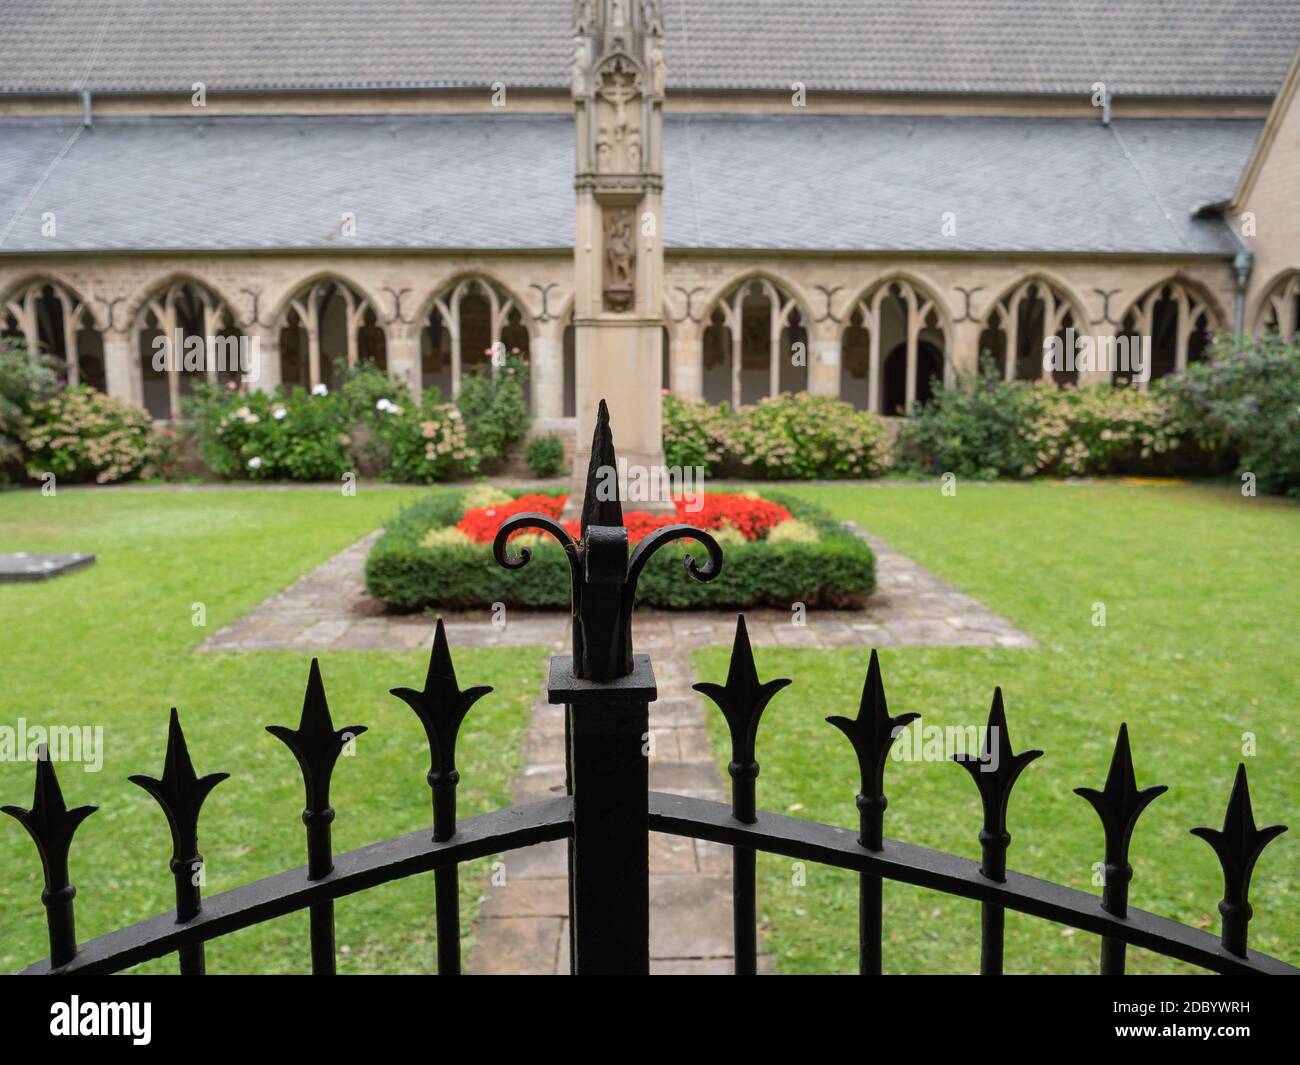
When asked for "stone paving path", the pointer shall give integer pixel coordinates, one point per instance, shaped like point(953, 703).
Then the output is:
point(523, 924)
point(329, 610)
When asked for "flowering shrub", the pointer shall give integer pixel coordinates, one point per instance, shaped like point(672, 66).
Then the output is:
point(1247, 398)
point(425, 442)
point(800, 435)
point(795, 435)
point(26, 378)
point(495, 408)
point(987, 427)
point(293, 435)
point(748, 515)
point(435, 554)
point(80, 434)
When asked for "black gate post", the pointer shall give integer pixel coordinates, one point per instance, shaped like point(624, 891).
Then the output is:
point(608, 724)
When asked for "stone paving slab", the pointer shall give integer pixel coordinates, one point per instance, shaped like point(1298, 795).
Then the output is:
point(329, 610)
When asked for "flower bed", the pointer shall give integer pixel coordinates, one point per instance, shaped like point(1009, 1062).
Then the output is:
point(777, 551)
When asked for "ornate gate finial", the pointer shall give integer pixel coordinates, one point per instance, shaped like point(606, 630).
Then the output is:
point(604, 577)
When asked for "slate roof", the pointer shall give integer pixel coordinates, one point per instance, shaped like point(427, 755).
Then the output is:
point(796, 182)
point(1144, 47)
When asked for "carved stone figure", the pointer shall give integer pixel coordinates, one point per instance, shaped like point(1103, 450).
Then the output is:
point(620, 259)
point(579, 80)
point(652, 19)
point(584, 17)
point(618, 140)
point(658, 71)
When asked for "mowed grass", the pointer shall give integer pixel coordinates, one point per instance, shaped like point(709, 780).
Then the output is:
point(113, 646)
point(1198, 655)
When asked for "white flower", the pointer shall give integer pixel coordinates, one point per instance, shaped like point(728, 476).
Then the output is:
point(255, 463)
point(279, 413)
point(384, 404)
point(320, 390)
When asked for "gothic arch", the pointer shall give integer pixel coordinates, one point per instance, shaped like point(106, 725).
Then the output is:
point(1178, 315)
point(462, 320)
point(1016, 324)
point(1278, 310)
point(750, 329)
point(180, 306)
point(895, 340)
point(52, 317)
point(323, 320)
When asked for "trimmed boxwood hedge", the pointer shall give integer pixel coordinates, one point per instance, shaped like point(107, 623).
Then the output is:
point(839, 571)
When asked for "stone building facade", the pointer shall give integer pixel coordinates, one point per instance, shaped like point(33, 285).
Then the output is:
point(824, 228)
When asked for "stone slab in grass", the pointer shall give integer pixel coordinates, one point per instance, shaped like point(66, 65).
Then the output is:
point(25, 566)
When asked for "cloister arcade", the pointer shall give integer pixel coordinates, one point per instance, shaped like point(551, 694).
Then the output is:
point(880, 345)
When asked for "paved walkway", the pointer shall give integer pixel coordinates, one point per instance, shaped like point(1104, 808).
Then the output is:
point(523, 925)
point(329, 610)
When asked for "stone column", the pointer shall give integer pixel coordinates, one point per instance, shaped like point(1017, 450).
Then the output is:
point(403, 344)
point(824, 365)
point(122, 367)
point(265, 373)
point(963, 351)
point(618, 85)
point(546, 364)
point(686, 362)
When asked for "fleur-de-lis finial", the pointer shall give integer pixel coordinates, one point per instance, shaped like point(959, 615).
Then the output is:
point(52, 825)
point(604, 578)
point(742, 701)
point(872, 733)
point(1119, 805)
point(180, 792)
point(317, 746)
point(441, 707)
point(995, 771)
point(1238, 846)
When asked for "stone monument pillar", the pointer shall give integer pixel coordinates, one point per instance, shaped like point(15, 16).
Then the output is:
point(618, 91)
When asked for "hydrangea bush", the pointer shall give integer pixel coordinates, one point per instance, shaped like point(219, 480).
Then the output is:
point(81, 434)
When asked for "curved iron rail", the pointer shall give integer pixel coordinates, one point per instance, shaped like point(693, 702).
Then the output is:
point(550, 819)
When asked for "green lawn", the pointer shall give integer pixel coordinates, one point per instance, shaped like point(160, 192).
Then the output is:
point(113, 646)
point(1199, 649)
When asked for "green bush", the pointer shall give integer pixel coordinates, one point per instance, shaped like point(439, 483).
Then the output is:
point(26, 378)
point(292, 435)
point(495, 408)
point(545, 455)
point(80, 434)
point(791, 436)
point(409, 569)
point(986, 427)
point(425, 442)
point(1246, 397)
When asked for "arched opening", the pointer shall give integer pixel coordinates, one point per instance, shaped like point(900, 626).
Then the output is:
point(185, 335)
point(756, 345)
point(1017, 329)
point(891, 349)
point(325, 327)
point(466, 324)
point(1279, 312)
point(1178, 322)
point(52, 320)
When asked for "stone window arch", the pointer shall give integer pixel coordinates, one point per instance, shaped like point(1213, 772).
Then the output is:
point(53, 320)
point(1016, 327)
point(1279, 311)
point(1179, 321)
point(464, 324)
point(178, 310)
point(325, 324)
point(893, 347)
point(749, 344)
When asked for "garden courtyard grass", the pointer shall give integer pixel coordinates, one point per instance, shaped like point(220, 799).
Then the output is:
point(1198, 654)
point(112, 645)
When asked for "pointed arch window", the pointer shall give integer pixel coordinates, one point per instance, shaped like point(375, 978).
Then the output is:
point(1179, 322)
point(893, 349)
point(1280, 310)
point(53, 320)
point(326, 325)
point(181, 310)
point(1017, 327)
point(465, 324)
point(750, 344)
